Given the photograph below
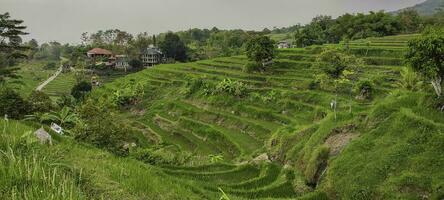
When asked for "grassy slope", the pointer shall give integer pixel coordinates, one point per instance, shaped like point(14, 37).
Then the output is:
point(396, 153)
point(31, 74)
point(293, 127)
point(68, 170)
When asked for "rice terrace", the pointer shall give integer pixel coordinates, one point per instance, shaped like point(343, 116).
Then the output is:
point(346, 104)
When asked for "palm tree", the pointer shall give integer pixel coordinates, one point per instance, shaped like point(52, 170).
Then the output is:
point(65, 116)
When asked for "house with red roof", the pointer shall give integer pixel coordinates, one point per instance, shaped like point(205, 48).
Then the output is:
point(98, 52)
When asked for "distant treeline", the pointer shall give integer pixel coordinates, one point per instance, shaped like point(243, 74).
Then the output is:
point(325, 29)
point(197, 44)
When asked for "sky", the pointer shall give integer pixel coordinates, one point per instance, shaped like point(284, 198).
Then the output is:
point(66, 20)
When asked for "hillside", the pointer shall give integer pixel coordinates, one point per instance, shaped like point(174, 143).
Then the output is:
point(379, 150)
point(428, 7)
point(207, 128)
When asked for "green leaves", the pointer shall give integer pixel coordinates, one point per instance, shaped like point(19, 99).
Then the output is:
point(426, 56)
point(260, 49)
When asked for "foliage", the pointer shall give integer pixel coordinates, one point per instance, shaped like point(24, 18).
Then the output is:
point(64, 117)
point(409, 80)
point(39, 102)
point(99, 126)
point(159, 156)
point(216, 158)
point(12, 104)
point(228, 86)
point(173, 47)
point(364, 88)
point(260, 49)
point(130, 94)
point(136, 64)
point(252, 67)
point(11, 47)
point(426, 56)
point(50, 65)
point(81, 89)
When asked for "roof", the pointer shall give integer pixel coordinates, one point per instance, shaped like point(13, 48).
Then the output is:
point(152, 50)
point(100, 51)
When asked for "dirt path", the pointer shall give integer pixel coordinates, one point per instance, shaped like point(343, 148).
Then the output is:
point(41, 86)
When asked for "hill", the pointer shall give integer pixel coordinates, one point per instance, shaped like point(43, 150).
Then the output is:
point(428, 7)
point(276, 133)
point(208, 127)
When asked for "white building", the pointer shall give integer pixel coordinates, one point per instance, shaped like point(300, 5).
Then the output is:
point(151, 56)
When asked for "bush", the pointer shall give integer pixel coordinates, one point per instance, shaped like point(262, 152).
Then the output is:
point(130, 94)
point(50, 65)
point(159, 156)
point(100, 127)
point(81, 89)
point(228, 86)
point(12, 104)
point(136, 64)
point(251, 67)
point(365, 89)
point(39, 102)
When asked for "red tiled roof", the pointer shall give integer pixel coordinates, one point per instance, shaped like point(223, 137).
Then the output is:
point(100, 51)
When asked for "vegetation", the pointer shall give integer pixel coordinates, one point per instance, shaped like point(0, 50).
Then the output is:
point(426, 56)
point(212, 129)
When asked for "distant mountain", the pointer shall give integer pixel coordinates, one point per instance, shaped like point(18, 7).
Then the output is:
point(428, 7)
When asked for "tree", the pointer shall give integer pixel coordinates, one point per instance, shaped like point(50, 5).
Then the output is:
point(426, 56)
point(341, 69)
point(260, 49)
point(173, 47)
point(136, 64)
point(12, 104)
point(65, 116)
point(81, 89)
point(11, 47)
point(410, 20)
point(39, 102)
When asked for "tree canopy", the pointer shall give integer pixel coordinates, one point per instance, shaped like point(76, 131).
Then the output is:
point(260, 48)
point(173, 47)
point(426, 56)
point(11, 47)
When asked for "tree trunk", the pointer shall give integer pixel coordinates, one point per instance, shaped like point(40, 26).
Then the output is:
point(436, 83)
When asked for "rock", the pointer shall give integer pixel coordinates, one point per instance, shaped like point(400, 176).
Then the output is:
point(43, 136)
point(261, 158)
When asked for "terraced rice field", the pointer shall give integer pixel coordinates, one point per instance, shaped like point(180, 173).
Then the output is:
point(242, 128)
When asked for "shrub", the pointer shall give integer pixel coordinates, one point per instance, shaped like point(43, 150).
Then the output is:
point(365, 89)
point(50, 65)
point(136, 64)
point(252, 66)
point(81, 89)
point(100, 127)
point(39, 102)
point(130, 94)
point(12, 104)
point(228, 86)
point(159, 156)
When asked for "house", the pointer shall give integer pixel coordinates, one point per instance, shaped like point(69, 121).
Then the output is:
point(283, 45)
point(121, 62)
point(152, 56)
point(98, 52)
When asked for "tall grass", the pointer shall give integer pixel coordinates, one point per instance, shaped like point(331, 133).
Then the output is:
point(26, 173)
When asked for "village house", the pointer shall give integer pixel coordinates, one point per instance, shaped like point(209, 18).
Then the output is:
point(98, 52)
point(121, 62)
point(151, 56)
point(283, 45)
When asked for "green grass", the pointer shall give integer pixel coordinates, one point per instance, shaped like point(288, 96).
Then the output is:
point(390, 147)
point(31, 74)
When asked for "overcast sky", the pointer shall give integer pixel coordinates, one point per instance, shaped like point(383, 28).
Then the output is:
point(65, 20)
